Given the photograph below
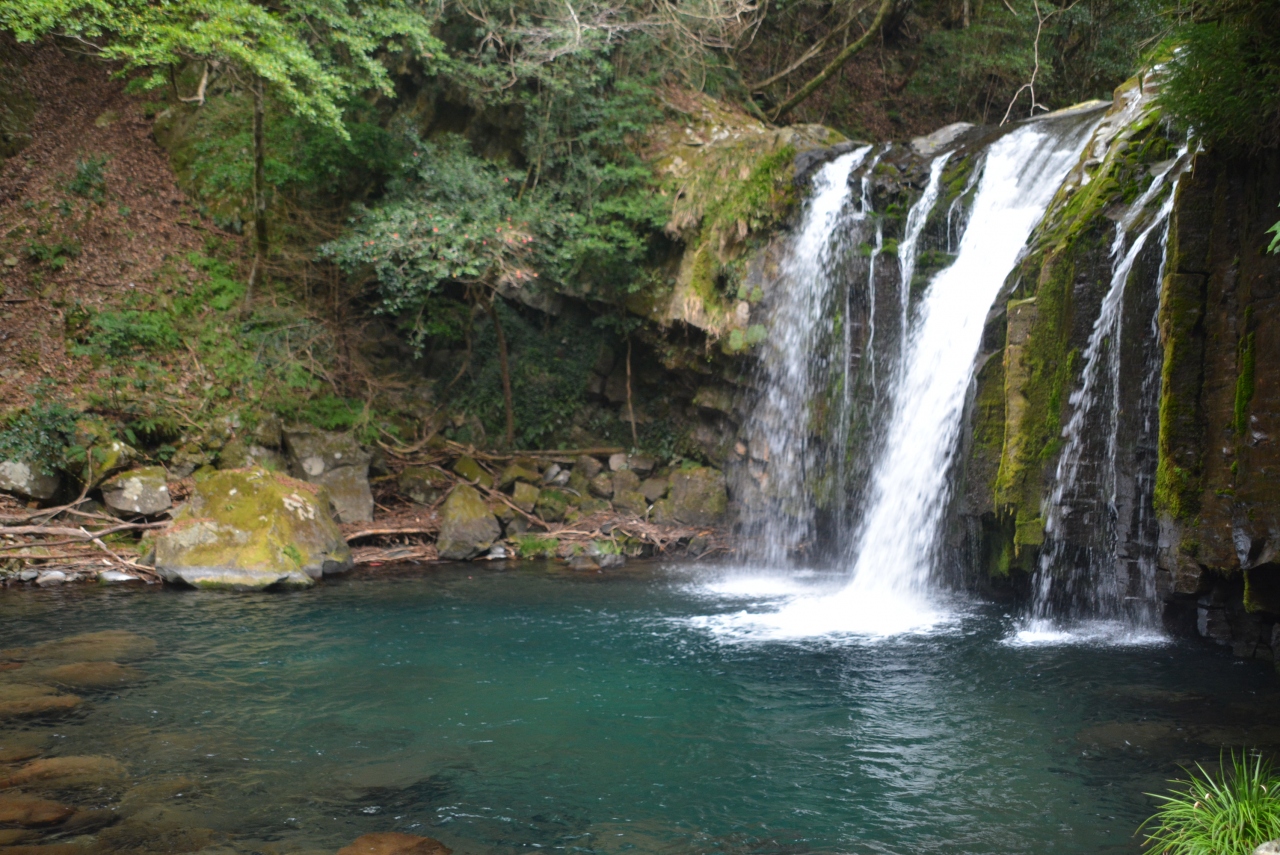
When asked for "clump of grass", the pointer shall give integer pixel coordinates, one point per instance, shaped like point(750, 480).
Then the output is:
point(1229, 813)
point(535, 546)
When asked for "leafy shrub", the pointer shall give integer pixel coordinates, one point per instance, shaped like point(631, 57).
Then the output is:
point(39, 434)
point(1229, 813)
point(120, 333)
point(1224, 75)
point(327, 412)
point(56, 254)
point(90, 180)
point(218, 290)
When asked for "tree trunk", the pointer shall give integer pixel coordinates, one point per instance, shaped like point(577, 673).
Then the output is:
point(836, 64)
point(507, 402)
point(631, 413)
point(259, 192)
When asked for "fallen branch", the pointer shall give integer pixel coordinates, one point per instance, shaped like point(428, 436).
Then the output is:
point(387, 532)
point(64, 531)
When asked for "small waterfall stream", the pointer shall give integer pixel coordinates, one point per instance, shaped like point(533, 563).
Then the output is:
point(1102, 584)
point(892, 551)
point(782, 450)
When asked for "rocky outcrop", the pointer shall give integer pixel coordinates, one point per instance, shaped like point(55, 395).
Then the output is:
point(698, 496)
point(467, 525)
point(249, 529)
point(138, 492)
point(336, 462)
point(28, 481)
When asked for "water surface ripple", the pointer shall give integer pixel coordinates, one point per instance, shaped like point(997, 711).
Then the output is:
point(510, 710)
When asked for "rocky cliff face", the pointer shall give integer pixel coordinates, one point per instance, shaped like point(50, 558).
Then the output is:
point(1176, 466)
point(1217, 494)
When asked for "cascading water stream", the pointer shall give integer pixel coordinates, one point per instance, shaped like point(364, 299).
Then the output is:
point(1100, 590)
point(916, 219)
point(799, 324)
point(893, 555)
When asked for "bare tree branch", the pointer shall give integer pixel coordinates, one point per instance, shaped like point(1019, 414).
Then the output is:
point(836, 64)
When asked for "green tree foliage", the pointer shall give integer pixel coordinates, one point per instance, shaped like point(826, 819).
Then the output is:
point(1223, 78)
point(581, 213)
point(314, 54)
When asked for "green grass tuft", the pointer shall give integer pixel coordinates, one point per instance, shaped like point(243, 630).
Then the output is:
point(1229, 813)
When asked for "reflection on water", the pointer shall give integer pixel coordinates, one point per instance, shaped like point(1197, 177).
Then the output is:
point(505, 710)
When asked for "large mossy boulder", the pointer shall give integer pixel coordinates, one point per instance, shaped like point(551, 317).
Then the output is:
point(27, 480)
point(698, 496)
point(249, 529)
point(338, 463)
point(138, 491)
point(467, 525)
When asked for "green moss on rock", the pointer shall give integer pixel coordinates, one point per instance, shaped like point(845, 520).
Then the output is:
point(249, 529)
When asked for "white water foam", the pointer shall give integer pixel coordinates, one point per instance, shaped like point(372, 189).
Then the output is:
point(889, 591)
point(1045, 633)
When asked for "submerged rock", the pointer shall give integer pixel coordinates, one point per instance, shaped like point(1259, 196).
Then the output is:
point(66, 771)
point(27, 480)
point(25, 810)
point(698, 496)
point(395, 843)
point(90, 675)
point(467, 525)
point(338, 463)
point(19, 700)
point(112, 645)
point(249, 529)
point(138, 491)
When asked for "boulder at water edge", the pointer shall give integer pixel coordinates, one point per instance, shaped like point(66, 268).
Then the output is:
point(698, 496)
point(138, 491)
point(467, 525)
point(27, 480)
point(248, 529)
point(337, 462)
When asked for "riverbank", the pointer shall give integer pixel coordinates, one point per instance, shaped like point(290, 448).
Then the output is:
point(592, 511)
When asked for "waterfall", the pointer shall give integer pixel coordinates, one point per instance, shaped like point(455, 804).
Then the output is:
point(1098, 585)
point(893, 549)
point(782, 455)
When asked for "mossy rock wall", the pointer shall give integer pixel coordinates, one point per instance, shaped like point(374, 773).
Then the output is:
point(1217, 490)
point(1033, 359)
